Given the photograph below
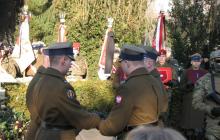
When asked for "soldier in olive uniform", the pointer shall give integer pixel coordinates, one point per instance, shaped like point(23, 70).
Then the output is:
point(162, 62)
point(54, 99)
point(171, 85)
point(150, 61)
point(7, 62)
point(206, 97)
point(138, 100)
point(79, 67)
point(31, 132)
point(192, 121)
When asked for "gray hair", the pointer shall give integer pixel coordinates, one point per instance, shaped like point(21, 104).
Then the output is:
point(154, 133)
point(54, 60)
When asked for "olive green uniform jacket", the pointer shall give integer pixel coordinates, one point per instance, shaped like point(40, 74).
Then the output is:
point(137, 102)
point(155, 73)
point(56, 105)
point(29, 102)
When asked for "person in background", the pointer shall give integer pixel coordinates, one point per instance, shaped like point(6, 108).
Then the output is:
point(154, 133)
point(192, 121)
point(118, 76)
point(62, 117)
point(7, 62)
point(206, 97)
point(39, 61)
point(150, 62)
point(79, 67)
point(170, 80)
point(138, 100)
point(162, 62)
point(205, 63)
point(169, 58)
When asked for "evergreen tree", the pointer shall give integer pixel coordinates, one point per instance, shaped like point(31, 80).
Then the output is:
point(193, 27)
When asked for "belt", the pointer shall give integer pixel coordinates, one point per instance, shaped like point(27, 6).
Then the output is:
point(56, 127)
point(129, 128)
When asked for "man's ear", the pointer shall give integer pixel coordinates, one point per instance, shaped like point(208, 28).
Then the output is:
point(63, 60)
point(128, 63)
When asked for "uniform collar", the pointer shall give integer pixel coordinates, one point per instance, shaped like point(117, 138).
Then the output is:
point(41, 69)
point(138, 72)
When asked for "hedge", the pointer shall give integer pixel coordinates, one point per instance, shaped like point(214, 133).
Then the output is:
point(94, 95)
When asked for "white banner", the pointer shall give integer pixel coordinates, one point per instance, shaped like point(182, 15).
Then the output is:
point(23, 55)
point(5, 77)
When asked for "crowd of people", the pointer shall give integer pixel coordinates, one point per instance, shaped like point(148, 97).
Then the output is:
point(144, 104)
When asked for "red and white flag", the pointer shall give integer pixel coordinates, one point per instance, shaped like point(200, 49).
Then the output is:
point(107, 53)
point(160, 34)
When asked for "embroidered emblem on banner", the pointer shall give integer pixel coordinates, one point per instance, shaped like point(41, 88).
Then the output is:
point(118, 99)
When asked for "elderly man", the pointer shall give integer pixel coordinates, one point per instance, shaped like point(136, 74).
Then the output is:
point(150, 62)
point(54, 99)
point(138, 99)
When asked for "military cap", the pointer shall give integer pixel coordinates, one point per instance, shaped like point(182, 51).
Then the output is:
point(150, 53)
point(60, 48)
point(162, 52)
point(131, 53)
point(215, 54)
point(196, 57)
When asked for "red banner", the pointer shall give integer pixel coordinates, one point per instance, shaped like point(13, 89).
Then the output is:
point(165, 74)
point(159, 34)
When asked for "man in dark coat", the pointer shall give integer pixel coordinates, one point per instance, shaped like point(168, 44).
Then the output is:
point(54, 99)
point(138, 100)
point(192, 120)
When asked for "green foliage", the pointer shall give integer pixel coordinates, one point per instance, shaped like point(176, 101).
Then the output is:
point(86, 23)
point(93, 95)
point(191, 27)
point(17, 100)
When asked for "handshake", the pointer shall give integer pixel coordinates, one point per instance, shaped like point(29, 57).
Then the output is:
point(102, 115)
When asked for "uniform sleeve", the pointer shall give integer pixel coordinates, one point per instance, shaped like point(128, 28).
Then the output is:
point(119, 115)
point(199, 96)
point(74, 113)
